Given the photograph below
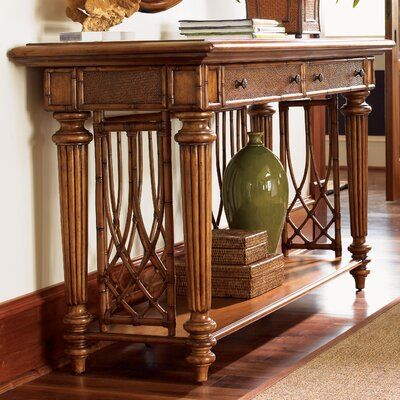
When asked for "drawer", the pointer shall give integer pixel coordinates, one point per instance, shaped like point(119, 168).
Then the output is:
point(261, 81)
point(334, 75)
point(122, 88)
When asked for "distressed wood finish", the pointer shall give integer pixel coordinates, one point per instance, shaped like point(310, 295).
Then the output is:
point(195, 140)
point(188, 88)
point(72, 142)
point(187, 52)
point(356, 112)
point(191, 79)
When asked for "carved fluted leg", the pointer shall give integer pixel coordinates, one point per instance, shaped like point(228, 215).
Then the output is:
point(261, 116)
point(72, 145)
point(356, 112)
point(195, 140)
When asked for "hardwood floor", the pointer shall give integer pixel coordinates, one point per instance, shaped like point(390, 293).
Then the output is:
point(253, 356)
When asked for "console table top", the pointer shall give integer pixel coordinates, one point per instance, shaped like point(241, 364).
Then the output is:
point(197, 51)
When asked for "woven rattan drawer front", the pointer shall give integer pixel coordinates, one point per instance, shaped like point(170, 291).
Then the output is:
point(121, 88)
point(262, 81)
point(334, 75)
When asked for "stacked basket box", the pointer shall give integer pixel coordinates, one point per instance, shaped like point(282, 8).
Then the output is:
point(237, 247)
point(241, 265)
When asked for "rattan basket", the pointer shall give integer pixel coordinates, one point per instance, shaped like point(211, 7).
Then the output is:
point(237, 238)
point(243, 282)
point(239, 256)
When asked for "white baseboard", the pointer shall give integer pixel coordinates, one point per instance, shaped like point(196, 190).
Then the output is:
point(376, 151)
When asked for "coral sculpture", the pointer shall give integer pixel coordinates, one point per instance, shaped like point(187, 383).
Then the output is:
point(100, 15)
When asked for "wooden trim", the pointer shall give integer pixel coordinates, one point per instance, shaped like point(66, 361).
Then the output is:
point(376, 168)
point(60, 100)
point(371, 139)
point(392, 94)
point(370, 168)
point(31, 340)
point(180, 97)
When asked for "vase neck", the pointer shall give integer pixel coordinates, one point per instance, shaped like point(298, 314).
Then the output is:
point(255, 138)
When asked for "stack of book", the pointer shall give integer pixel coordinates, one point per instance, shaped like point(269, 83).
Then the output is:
point(233, 29)
point(241, 265)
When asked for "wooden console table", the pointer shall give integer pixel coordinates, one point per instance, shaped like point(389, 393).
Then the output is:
point(191, 80)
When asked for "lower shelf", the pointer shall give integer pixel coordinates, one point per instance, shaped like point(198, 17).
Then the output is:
point(304, 272)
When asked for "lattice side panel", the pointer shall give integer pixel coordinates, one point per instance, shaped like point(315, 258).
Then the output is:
point(133, 165)
point(231, 130)
point(326, 232)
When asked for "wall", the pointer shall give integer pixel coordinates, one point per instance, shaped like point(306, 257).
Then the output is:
point(340, 20)
point(25, 161)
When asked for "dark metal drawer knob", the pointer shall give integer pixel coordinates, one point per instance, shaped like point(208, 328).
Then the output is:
point(241, 84)
point(318, 77)
point(360, 72)
point(295, 79)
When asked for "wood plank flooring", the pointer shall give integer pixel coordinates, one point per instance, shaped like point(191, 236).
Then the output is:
point(253, 356)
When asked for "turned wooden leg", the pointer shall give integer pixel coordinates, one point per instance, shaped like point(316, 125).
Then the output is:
point(261, 116)
point(195, 140)
point(72, 145)
point(356, 112)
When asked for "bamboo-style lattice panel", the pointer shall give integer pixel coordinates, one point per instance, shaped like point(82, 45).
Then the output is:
point(231, 130)
point(130, 151)
point(326, 230)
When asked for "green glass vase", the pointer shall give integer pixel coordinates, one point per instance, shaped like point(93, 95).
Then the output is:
point(255, 191)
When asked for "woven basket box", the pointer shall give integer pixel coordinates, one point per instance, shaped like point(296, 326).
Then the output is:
point(242, 282)
point(239, 256)
point(237, 238)
point(238, 247)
